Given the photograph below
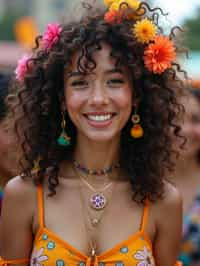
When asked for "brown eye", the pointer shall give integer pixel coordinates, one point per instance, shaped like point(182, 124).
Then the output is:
point(79, 83)
point(115, 82)
point(195, 119)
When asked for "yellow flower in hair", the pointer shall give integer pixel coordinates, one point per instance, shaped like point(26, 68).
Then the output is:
point(144, 30)
point(108, 2)
point(115, 6)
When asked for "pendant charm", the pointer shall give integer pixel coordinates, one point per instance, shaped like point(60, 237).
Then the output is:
point(93, 252)
point(94, 222)
point(98, 201)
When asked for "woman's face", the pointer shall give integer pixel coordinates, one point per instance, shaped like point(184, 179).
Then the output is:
point(191, 125)
point(99, 103)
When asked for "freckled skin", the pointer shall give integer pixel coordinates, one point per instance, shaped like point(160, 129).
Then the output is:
point(97, 94)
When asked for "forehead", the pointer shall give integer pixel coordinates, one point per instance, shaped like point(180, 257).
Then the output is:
point(100, 58)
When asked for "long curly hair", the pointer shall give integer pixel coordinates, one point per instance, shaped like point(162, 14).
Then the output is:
point(38, 122)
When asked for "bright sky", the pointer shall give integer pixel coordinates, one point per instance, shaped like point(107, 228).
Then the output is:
point(178, 9)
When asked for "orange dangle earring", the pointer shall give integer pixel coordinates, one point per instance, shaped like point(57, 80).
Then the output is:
point(136, 130)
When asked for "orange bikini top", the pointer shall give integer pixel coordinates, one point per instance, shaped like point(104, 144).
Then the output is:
point(50, 250)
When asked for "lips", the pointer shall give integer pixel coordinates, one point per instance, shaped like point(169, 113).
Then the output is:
point(99, 116)
point(99, 119)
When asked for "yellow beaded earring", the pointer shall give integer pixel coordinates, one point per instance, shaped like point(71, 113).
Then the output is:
point(136, 130)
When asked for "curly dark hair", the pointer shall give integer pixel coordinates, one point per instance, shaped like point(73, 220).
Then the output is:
point(4, 84)
point(38, 123)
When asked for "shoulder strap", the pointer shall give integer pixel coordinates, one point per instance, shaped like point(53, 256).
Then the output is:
point(145, 215)
point(40, 205)
point(8, 262)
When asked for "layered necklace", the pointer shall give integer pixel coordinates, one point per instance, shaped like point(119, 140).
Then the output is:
point(94, 208)
point(98, 200)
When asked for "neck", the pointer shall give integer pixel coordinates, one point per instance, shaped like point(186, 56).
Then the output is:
point(97, 155)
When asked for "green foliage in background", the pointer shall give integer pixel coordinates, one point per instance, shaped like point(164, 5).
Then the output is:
point(7, 26)
point(192, 26)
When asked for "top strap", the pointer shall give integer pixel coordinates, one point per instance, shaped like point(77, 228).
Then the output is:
point(40, 206)
point(145, 215)
point(8, 262)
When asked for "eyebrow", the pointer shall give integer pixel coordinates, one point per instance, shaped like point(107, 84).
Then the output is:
point(75, 74)
point(110, 71)
point(115, 70)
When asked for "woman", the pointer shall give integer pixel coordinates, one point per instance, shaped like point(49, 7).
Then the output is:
point(98, 105)
point(187, 179)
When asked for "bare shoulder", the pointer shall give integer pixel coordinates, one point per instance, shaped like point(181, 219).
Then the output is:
point(19, 187)
point(19, 205)
point(19, 192)
point(172, 197)
point(170, 205)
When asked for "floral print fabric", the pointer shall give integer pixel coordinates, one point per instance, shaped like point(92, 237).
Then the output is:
point(51, 250)
point(190, 251)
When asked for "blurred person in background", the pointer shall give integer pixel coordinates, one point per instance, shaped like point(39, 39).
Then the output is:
point(187, 179)
point(7, 163)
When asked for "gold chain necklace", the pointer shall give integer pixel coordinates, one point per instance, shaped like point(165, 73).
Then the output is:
point(94, 222)
point(89, 232)
point(98, 200)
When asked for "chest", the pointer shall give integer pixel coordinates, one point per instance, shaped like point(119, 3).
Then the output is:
point(69, 219)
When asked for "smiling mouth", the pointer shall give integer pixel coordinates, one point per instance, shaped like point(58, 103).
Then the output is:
point(100, 117)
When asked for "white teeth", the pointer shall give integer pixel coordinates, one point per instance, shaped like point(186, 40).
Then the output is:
point(99, 117)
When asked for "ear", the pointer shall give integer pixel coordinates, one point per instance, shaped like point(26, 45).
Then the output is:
point(135, 103)
point(63, 106)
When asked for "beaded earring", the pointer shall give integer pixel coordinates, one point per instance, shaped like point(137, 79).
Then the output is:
point(63, 139)
point(136, 130)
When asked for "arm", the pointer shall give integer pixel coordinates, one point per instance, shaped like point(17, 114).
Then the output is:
point(17, 216)
point(168, 228)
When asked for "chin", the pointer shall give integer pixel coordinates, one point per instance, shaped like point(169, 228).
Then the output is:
point(102, 137)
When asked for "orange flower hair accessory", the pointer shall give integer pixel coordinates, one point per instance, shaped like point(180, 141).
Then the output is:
point(158, 56)
point(144, 30)
point(113, 17)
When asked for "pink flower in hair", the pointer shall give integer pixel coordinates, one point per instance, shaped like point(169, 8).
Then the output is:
point(21, 68)
point(51, 35)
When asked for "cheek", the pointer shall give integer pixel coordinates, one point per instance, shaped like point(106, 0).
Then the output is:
point(124, 99)
point(73, 101)
point(187, 130)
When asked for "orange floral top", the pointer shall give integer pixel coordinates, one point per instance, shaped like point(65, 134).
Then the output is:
point(50, 250)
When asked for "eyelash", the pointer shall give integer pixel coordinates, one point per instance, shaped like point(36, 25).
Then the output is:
point(115, 81)
point(84, 83)
point(79, 83)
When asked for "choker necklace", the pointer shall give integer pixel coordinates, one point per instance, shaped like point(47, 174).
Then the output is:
point(98, 172)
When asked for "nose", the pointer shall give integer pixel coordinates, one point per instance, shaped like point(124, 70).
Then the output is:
point(99, 95)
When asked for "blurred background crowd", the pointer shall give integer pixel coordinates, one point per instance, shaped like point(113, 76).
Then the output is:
point(22, 20)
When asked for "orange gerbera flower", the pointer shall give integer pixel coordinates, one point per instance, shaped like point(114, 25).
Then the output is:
point(159, 55)
point(113, 17)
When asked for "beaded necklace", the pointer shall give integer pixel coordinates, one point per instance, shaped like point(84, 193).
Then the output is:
point(98, 172)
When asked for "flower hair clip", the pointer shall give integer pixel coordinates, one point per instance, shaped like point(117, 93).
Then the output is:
point(50, 38)
point(160, 51)
point(22, 67)
point(51, 35)
point(159, 55)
